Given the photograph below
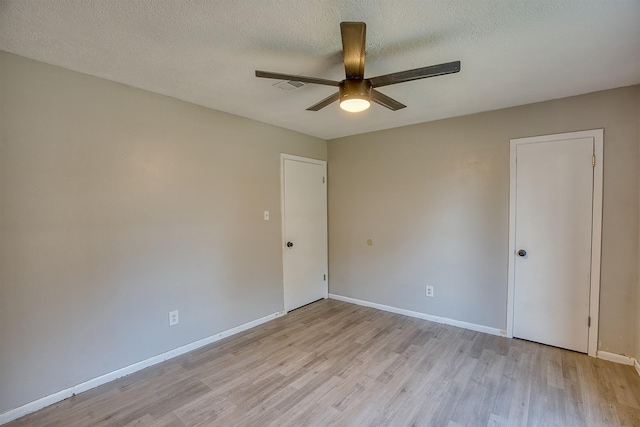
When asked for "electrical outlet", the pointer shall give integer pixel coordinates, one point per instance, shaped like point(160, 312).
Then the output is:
point(173, 318)
point(429, 291)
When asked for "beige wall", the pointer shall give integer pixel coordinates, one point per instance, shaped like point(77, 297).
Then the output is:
point(117, 206)
point(434, 198)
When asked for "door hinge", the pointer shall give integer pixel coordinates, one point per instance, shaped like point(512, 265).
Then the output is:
point(589, 321)
point(325, 277)
point(323, 179)
point(593, 160)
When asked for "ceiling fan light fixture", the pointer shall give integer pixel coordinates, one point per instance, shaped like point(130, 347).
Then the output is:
point(355, 95)
point(355, 105)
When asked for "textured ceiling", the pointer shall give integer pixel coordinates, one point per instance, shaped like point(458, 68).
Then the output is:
point(205, 52)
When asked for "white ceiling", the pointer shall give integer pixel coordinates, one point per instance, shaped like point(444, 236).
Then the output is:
point(206, 51)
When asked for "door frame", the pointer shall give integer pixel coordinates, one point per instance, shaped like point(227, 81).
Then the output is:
point(596, 227)
point(322, 163)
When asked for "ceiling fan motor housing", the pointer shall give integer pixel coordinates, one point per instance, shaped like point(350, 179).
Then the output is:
point(355, 89)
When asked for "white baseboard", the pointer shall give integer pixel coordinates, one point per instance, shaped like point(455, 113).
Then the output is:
point(444, 320)
point(621, 359)
point(617, 358)
point(103, 379)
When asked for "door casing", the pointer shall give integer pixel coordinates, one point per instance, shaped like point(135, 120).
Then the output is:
point(596, 230)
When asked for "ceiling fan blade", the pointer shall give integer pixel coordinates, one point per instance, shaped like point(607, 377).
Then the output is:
point(304, 79)
point(385, 101)
point(328, 100)
point(354, 36)
point(418, 73)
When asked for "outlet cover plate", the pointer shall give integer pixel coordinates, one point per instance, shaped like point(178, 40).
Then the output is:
point(174, 319)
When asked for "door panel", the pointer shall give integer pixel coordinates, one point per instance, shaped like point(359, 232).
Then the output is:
point(305, 227)
point(554, 199)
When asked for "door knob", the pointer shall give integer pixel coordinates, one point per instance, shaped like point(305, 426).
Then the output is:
point(522, 252)
point(289, 244)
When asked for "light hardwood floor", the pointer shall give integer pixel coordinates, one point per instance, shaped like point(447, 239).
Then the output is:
point(338, 364)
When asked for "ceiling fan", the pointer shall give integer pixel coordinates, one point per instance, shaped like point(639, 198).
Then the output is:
point(355, 92)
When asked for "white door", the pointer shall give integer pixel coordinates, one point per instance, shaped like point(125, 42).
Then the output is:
point(554, 206)
point(304, 223)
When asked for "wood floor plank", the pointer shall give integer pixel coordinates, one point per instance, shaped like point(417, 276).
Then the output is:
point(204, 410)
point(337, 364)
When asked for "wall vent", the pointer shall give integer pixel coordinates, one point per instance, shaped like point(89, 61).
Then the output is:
point(289, 85)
